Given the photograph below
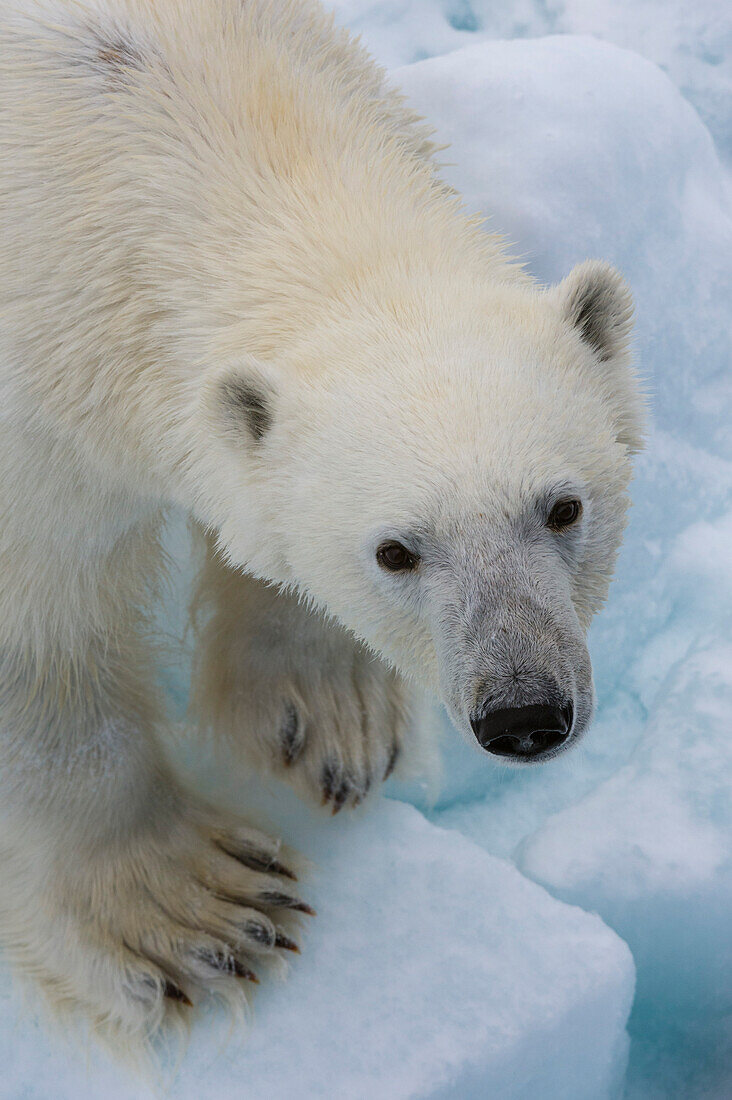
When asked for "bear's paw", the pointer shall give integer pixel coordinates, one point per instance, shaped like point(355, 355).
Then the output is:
point(133, 935)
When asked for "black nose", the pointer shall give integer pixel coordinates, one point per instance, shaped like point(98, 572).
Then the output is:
point(523, 732)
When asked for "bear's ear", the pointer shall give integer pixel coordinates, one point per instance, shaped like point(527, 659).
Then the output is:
point(241, 401)
point(596, 300)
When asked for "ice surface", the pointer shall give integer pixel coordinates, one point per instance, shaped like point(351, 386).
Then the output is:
point(432, 970)
point(662, 872)
point(651, 851)
point(692, 42)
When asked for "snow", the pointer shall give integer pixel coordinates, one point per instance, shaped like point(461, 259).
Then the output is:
point(669, 845)
point(651, 851)
point(691, 42)
point(439, 963)
point(433, 970)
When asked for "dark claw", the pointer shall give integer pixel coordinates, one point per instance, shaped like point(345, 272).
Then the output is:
point(292, 735)
point(242, 971)
point(259, 861)
point(340, 796)
point(284, 901)
point(227, 964)
point(280, 869)
point(301, 907)
point(393, 757)
point(329, 781)
point(172, 991)
point(286, 943)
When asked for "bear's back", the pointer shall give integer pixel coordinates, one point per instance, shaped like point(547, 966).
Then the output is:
point(277, 74)
point(152, 151)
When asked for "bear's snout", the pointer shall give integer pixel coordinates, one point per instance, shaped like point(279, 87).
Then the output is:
point(526, 732)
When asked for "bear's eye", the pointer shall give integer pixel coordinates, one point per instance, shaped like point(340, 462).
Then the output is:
point(395, 557)
point(564, 514)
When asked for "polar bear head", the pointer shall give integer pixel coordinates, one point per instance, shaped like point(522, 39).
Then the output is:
point(446, 474)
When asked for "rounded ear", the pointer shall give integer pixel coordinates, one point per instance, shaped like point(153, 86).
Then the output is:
point(596, 301)
point(241, 400)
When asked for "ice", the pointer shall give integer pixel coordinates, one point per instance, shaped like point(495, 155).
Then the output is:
point(662, 874)
point(651, 851)
point(692, 42)
point(432, 970)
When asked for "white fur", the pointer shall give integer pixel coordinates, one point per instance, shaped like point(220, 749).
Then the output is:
point(230, 190)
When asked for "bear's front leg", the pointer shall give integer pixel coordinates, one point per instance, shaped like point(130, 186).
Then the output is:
point(299, 695)
point(124, 896)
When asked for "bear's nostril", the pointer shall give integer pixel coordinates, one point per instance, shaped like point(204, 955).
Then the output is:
point(505, 746)
point(545, 740)
point(523, 732)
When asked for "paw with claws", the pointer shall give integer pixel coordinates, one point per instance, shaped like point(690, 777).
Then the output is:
point(337, 740)
point(197, 907)
point(299, 695)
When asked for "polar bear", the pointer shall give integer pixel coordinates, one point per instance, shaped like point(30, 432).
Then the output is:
point(234, 282)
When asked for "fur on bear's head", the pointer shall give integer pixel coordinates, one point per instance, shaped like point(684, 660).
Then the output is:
point(446, 474)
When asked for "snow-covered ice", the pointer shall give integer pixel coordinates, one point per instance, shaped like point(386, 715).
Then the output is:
point(662, 874)
point(435, 968)
point(692, 42)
